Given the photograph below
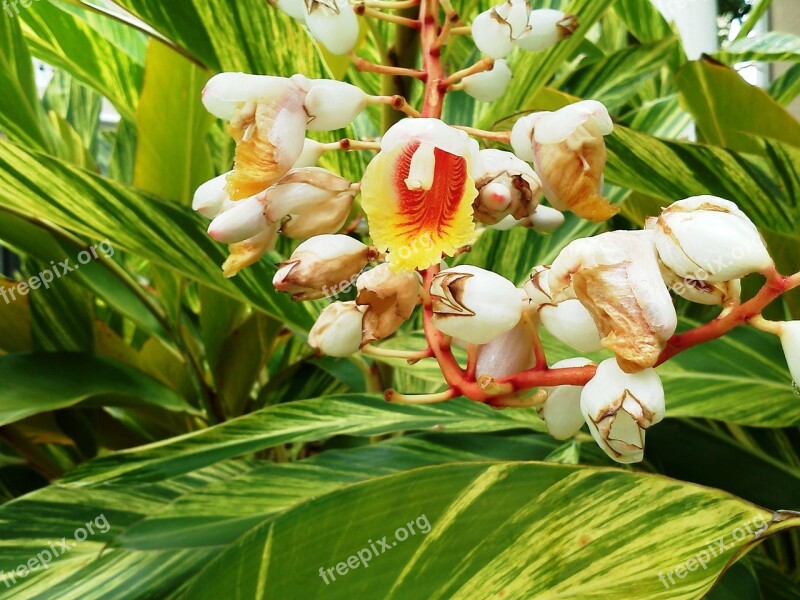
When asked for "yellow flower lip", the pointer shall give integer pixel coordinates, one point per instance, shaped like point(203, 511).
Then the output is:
point(418, 200)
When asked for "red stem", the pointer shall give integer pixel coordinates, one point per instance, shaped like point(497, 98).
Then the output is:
point(431, 59)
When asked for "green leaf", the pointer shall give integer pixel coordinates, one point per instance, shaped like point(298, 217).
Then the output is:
point(227, 36)
point(62, 40)
point(786, 87)
point(643, 20)
point(40, 382)
point(616, 78)
point(464, 513)
point(172, 161)
point(673, 170)
point(21, 116)
point(661, 118)
point(305, 420)
point(166, 234)
point(774, 46)
point(715, 96)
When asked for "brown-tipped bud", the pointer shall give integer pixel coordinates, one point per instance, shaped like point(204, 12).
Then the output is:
point(318, 222)
point(302, 191)
point(321, 263)
point(389, 298)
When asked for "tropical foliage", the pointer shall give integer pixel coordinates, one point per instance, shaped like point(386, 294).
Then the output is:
point(228, 459)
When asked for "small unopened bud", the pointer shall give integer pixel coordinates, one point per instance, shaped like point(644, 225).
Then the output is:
point(211, 199)
point(619, 407)
point(489, 85)
point(568, 320)
point(312, 151)
point(319, 264)
point(706, 238)
point(473, 304)
point(388, 298)
point(318, 222)
point(333, 24)
point(330, 104)
point(790, 339)
point(547, 27)
point(494, 30)
point(511, 353)
point(546, 219)
point(242, 221)
point(506, 186)
point(562, 410)
point(337, 331)
point(304, 190)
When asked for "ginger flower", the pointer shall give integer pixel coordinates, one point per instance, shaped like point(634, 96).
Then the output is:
point(418, 193)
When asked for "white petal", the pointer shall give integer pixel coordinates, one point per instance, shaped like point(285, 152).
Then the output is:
point(309, 157)
point(287, 134)
point(492, 35)
point(572, 324)
point(331, 246)
point(790, 339)
point(333, 104)
point(508, 222)
point(209, 199)
point(244, 220)
point(489, 85)
point(544, 32)
point(516, 13)
point(546, 219)
point(558, 126)
point(522, 135)
point(423, 168)
point(432, 131)
point(510, 353)
point(338, 32)
point(225, 91)
point(492, 162)
point(293, 8)
point(562, 410)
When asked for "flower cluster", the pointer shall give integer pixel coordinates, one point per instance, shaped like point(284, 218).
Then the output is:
point(430, 192)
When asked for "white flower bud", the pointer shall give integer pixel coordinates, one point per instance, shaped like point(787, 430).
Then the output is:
point(616, 276)
point(330, 104)
point(546, 219)
point(301, 191)
point(211, 199)
point(506, 355)
point(619, 407)
point(506, 186)
point(495, 30)
point(333, 24)
point(337, 331)
point(547, 27)
point(522, 135)
point(702, 292)
point(225, 92)
point(474, 304)
point(571, 323)
point(293, 8)
point(561, 411)
point(488, 85)
point(312, 151)
point(790, 339)
point(706, 238)
point(568, 320)
point(388, 299)
point(245, 219)
point(318, 222)
point(319, 264)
